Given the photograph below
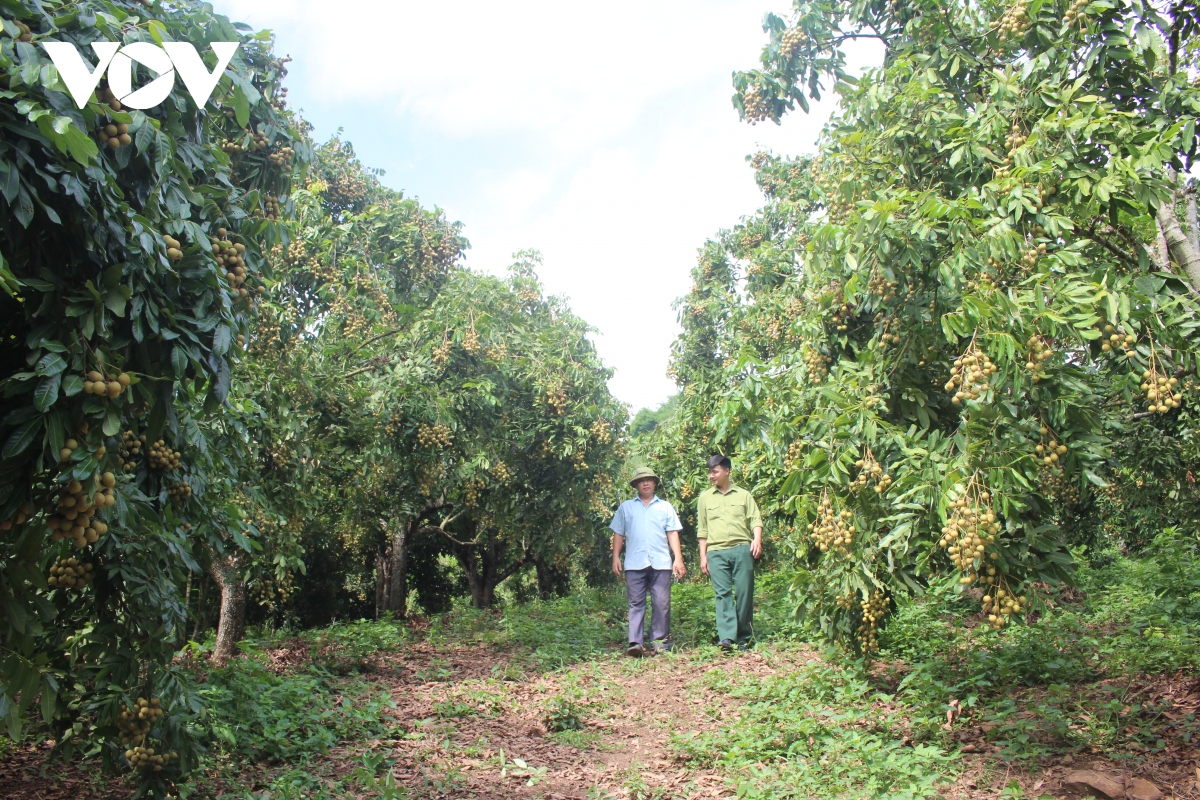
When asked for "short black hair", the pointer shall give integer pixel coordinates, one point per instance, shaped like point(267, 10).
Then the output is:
point(720, 461)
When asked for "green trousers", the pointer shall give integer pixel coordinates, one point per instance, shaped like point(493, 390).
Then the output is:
point(732, 574)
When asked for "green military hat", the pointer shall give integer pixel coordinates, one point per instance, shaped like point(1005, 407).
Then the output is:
point(643, 472)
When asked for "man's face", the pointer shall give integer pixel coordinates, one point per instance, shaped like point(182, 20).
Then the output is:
point(645, 488)
point(717, 474)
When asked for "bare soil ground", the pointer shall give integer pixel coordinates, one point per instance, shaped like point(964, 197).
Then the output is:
point(468, 723)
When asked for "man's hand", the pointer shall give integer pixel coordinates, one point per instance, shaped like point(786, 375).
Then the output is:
point(678, 569)
point(704, 564)
point(756, 547)
point(617, 566)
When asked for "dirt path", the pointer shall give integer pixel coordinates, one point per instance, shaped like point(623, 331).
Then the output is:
point(487, 738)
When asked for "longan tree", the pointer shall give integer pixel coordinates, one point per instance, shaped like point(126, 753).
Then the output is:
point(929, 344)
point(502, 421)
point(131, 245)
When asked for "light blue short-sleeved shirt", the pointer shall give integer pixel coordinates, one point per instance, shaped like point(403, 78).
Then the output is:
point(645, 530)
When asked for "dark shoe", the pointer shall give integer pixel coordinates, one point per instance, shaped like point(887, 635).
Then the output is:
point(744, 646)
point(635, 650)
point(658, 648)
point(725, 644)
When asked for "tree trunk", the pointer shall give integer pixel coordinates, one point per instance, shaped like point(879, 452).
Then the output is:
point(1162, 255)
point(484, 573)
point(1193, 223)
point(226, 570)
point(397, 591)
point(383, 571)
point(1180, 248)
point(552, 581)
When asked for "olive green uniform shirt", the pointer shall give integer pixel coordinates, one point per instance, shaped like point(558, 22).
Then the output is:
point(727, 520)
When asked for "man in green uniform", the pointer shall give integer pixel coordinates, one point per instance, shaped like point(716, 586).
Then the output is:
point(729, 527)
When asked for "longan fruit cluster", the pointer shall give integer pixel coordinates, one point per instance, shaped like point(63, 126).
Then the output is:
point(162, 457)
point(1015, 22)
point(1055, 486)
point(441, 354)
point(881, 287)
point(257, 141)
point(26, 34)
point(470, 342)
point(1000, 603)
point(271, 590)
point(972, 526)
point(578, 459)
point(556, 398)
point(527, 295)
point(887, 340)
point(1159, 389)
point(1049, 450)
point(142, 757)
point(1076, 12)
point(434, 436)
point(832, 529)
point(131, 448)
point(1111, 339)
point(106, 95)
point(601, 431)
point(74, 516)
point(870, 470)
point(501, 472)
point(795, 454)
point(282, 157)
point(874, 609)
point(1032, 255)
point(818, 364)
point(134, 722)
point(969, 377)
point(69, 573)
point(497, 352)
point(97, 383)
point(472, 490)
point(114, 135)
point(1035, 362)
point(174, 248)
point(231, 258)
point(757, 107)
point(791, 42)
point(839, 209)
point(842, 315)
point(1015, 139)
point(180, 492)
point(775, 329)
point(24, 513)
point(271, 207)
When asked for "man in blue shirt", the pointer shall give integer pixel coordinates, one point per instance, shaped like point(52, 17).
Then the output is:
point(648, 528)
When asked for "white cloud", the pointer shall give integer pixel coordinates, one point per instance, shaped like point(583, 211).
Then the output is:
point(601, 135)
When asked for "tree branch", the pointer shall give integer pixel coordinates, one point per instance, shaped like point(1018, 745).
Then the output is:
point(515, 566)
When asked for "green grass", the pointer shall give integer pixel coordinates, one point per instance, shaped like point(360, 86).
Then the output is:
point(820, 730)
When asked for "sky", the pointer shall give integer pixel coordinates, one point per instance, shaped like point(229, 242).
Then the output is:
point(601, 135)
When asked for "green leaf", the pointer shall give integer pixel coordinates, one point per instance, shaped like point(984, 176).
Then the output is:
point(46, 392)
point(241, 107)
point(50, 364)
point(22, 437)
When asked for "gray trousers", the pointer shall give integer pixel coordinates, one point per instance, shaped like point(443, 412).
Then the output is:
point(658, 583)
